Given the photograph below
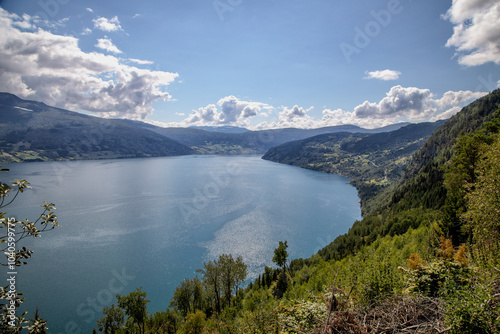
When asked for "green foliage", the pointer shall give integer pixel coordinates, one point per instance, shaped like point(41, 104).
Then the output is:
point(233, 273)
point(444, 275)
point(188, 297)
point(135, 306)
point(12, 232)
point(281, 255)
point(223, 276)
point(473, 311)
point(373, 162)
point(300, 316)
point(392, 261)
point(194, 324)
point(112, 321)
point(483, 202)
point(167, 322)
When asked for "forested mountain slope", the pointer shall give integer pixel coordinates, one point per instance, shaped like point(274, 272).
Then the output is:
point(372, 161)
point(421, 194)
point(33, 131)
point(422, 261)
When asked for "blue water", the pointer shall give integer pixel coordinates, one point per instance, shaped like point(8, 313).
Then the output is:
point(151, 223)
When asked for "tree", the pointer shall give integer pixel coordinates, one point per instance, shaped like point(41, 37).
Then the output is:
point(188, 297)
point(281, 255)
point(167, 322)
point(12, 232)
point(280, 258)
point(135, 304)
point(194, 323)
point(483, 202)
point(223, 276)
point(233, 274)
point(213, 282)
point(112, 321)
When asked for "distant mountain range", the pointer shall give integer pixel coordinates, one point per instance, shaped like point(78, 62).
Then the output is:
point(34, 131)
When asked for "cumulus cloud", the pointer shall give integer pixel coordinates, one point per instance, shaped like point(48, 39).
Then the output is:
point(451, 98)
point(414, 104)
point(447, 114)
point(401, 104)
point(476, 32)
point(383, 75)
point(294, 112)
point(108, 25)
point(52, 68)
point(233, 111)
point(106, 44)
point(400, 101)
point(204, 115)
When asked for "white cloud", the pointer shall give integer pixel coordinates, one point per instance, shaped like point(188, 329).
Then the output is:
point(90, 10)
point(410, 102)
point(296, 117)
point(106, 44)
point(447, 114)
point(109, 25)
point(451, 98)
point(141, 62)
point(86, 31)
point(233, 111)
point(204, 115)
point(476, 32)
point(401, 104)
point(52, 68)
point(383, 75)
point(414, 104)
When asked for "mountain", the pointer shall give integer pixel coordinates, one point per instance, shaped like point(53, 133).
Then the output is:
point(33, 131)
point(250, 142)
point(399, 269)
point(372, 161)
point(421, 195)
point(223, 129)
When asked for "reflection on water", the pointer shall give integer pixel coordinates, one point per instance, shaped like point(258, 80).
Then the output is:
point(160, 219)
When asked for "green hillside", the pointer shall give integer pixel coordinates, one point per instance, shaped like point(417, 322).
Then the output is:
point(423, 260)
point(33, 131)
point(373, 162)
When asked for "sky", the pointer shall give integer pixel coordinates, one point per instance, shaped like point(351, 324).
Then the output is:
point(259, 64)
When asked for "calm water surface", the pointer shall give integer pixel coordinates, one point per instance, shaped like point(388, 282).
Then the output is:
point(151, 223)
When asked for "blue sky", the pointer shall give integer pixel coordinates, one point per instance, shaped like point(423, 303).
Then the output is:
point(258, 64)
